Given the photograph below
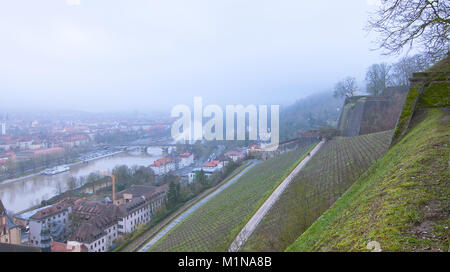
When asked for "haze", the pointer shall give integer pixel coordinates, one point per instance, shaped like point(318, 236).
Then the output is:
point(150, 55)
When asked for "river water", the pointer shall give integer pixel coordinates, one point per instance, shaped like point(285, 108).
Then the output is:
point(25, 193)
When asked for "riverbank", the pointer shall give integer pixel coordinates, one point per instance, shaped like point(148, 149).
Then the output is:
point(39, 171)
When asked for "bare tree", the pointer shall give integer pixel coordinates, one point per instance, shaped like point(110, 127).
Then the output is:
point(401, 23)
point(72, 183)
point(346, 88)
point(378, 78)
point(403, 70)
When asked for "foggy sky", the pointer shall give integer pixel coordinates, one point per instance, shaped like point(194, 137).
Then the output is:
point(148, 55)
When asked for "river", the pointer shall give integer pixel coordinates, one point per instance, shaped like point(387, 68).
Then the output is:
point(28, 192)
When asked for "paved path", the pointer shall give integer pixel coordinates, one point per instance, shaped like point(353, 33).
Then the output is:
point(197, 205)
point(251, 225)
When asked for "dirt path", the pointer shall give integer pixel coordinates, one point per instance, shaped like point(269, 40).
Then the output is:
point(251, 225)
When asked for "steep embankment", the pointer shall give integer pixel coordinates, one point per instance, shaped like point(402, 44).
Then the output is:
point(214, 225)
point(327, 175)
point(402, 201)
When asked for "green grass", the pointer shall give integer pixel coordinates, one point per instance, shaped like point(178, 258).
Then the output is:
point(435, 95)
point(214, 225)
point(407, 112)
point(402, 201)
point(327, 175)
point(131, 237)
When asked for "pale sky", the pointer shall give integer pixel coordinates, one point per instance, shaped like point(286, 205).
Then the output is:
point(147, 55)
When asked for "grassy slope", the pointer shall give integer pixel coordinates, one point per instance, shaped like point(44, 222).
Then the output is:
point(214, 226)
point(326, 177)
point(401, 202)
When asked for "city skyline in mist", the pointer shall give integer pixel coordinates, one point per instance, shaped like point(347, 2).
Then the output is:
point(114, 56)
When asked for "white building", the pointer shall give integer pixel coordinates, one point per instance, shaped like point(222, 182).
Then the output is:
point(213, 166)
point(139, 205)
point(208, 168)
point(235, 155)
point(97, 234)
point(53, 218)
point(99, 229)
point(134, 206)
point(163, 166)
point(193, 174)
point(186, 159)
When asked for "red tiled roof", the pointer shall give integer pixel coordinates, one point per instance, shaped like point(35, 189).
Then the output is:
point(58, 247)
point(185, 155)
point(162, 162)
point(48, 150)
point(211, 164)
point(54, 209)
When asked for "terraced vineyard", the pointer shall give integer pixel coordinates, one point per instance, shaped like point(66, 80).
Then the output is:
point(319, 184)
point(214, 225)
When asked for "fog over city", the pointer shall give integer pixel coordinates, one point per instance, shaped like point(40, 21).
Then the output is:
point(105, 56)
point(224, 126)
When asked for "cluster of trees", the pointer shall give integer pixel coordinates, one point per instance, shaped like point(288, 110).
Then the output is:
point(423, 25)
point(310, 113)
point(35, 162)
point(125, 177)
point(380, 76)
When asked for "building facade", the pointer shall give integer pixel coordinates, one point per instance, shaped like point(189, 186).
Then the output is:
point(10, 233)
point(54, 218)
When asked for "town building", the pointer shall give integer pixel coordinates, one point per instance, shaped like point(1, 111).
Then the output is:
point(254, 150)
point(208, 169)
point(71, 246)
point(186, 159)
point(10, 233)
point(97, 227)
point(139, 206)
point(163, 166)
point(213, 166)
point(235, 155)
point(75, 141)
point(54, 218)
point(100, 224)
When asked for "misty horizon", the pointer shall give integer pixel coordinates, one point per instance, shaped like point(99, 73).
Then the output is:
point(150, 56)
